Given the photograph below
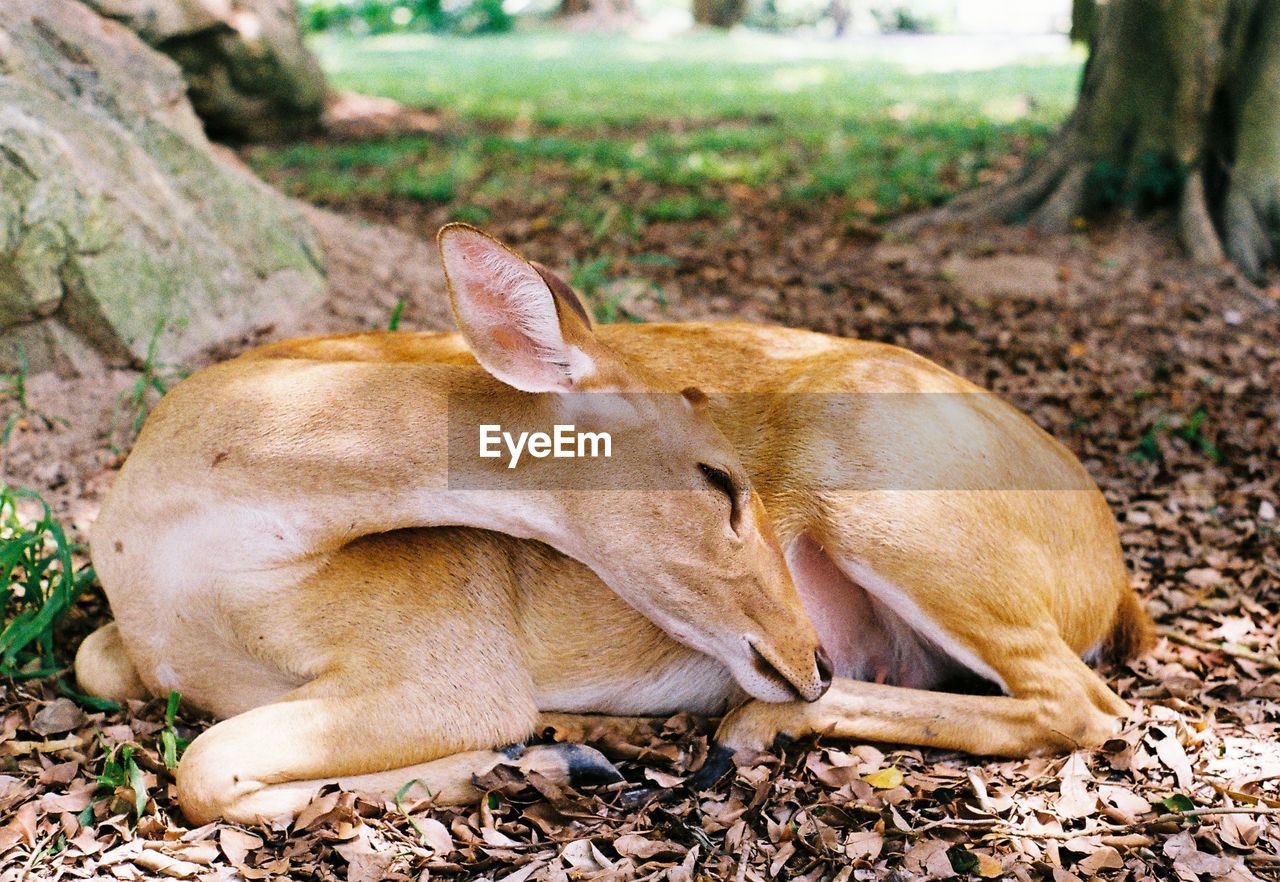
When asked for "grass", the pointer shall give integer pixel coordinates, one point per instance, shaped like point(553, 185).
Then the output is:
point(556, 78)
point(1192, 430)
point(591, 280)
point(135, 403)
point(393, 323)
point(616, 134)
point(123, 780)
point(39, 582)
point(14, 386)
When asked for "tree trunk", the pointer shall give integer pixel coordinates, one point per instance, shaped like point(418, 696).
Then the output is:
point(719, 13)
point(840, 15)
point(1084, 18)
point(615, 8)
point(1179, 103)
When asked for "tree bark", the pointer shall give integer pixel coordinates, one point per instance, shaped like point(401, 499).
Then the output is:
point(1179, 104)
point(1084, 17)
point(719, 13)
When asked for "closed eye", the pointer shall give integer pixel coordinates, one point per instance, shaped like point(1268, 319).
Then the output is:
point(722, 481)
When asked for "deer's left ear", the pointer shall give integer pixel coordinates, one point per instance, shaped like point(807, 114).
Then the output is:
point(523, 324)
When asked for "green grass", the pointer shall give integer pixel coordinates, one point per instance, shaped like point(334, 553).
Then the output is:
point(616, 134)
point(556, 78)
point(39, 582)
point(135, 403)
point(122, 780)
point(1193, 430)
point(14, 386)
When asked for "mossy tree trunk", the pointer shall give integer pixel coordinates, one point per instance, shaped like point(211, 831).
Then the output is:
point(719, 13)
point(1179, 103)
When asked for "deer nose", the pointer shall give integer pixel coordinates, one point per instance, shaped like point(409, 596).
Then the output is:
point(826, 670)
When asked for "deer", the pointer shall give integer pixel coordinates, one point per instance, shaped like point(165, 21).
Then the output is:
point(829, 533)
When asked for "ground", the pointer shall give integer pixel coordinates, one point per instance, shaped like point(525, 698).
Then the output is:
point(762, 190)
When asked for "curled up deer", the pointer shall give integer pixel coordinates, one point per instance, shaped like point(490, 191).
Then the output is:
point(806, 535)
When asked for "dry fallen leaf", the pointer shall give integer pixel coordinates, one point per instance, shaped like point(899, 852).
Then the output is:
point(161, 863)
point(435, 835)
point(1240, 831)
point(58, 716)
point(1077, 799)
point(885, 779)
point(1173, 756)
point(1104, 857)
point(236, 844)
point(928, 859)
point(988, 866)
point(637, 846)
point(865, 844)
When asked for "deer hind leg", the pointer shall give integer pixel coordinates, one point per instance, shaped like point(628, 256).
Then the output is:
point(1052, 701)
point(266, 764)
point(103, 668)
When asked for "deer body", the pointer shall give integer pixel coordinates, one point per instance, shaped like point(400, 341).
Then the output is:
point(928, 535)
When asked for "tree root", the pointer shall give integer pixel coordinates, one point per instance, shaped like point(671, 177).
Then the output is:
point(1167, 88)
point(1245, 233)
point(1195, 225)
point(992, 204)
point(1065, 203)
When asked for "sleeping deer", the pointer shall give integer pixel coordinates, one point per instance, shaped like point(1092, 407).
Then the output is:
point(268, 551)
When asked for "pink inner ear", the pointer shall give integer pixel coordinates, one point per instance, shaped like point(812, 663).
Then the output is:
point(518, 349)
point(484, 274)
point(506, 312)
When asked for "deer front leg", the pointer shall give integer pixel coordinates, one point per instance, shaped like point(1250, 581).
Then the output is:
point(1074, 709)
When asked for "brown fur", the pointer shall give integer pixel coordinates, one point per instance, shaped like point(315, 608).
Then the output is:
point(264, 551)
point(1133, 632)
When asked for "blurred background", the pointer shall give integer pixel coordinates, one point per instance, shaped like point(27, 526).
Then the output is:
point(795, 17)
point(884, 108)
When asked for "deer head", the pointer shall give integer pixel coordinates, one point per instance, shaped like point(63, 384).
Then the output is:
point(670, 522)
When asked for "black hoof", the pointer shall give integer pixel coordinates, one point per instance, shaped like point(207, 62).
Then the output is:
point(513, 751)
point(636, 797)
point(588, 766)
point(719, 762)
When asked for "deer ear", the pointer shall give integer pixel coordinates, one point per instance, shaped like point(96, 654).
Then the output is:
point(563, 291)
point(520, 330)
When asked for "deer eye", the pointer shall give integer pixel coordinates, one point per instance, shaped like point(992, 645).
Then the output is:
point(722, 481)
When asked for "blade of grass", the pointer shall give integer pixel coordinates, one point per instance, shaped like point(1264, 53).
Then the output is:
point(394, 324)
point(40, 584)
